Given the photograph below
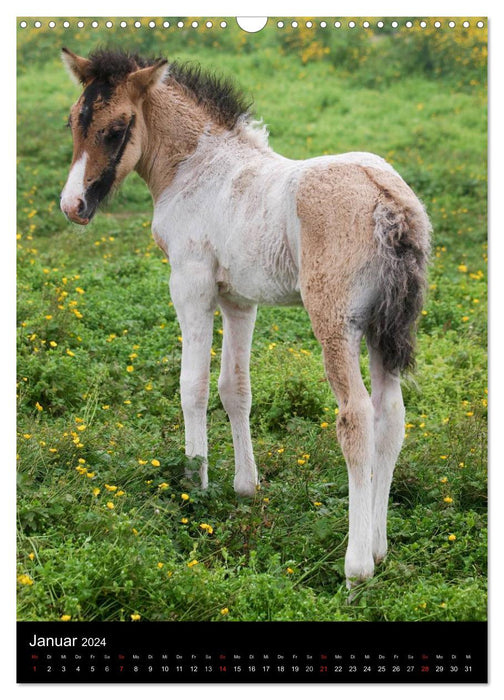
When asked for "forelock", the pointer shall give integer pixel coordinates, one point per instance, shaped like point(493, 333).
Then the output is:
point(112, 67)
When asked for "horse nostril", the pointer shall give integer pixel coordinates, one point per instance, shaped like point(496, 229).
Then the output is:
point(80, 206)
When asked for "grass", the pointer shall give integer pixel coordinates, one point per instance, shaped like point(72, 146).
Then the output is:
point(105, 530)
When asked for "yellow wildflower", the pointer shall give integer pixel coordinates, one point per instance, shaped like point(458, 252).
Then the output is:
point(324, 425)
point(224, 611)
point(65, 618)
point(448, 499)
point(452, 538)
point(155, 462)
point(135, 617)
point(192, 563)
point(184, 496)
point(110, 505)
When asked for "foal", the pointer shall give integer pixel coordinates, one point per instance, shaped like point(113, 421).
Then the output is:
point(243, 226)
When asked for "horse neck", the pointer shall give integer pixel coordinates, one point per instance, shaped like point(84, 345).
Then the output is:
point(174, 125)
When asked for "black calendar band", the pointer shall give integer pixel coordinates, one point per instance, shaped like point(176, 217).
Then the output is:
point(252, 652)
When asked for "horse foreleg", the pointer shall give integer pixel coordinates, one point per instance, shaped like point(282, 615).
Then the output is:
point(234, 390)
point(194, 297)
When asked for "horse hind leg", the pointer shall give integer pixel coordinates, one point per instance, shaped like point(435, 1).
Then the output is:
point(389, 417)
point(355, 431)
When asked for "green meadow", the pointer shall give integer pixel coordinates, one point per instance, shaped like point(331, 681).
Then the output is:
point(108, 528)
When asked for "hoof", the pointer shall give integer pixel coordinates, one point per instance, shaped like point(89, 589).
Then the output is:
point(358, 571)
point(379, 548)
point(244, 487)
point(379, 557)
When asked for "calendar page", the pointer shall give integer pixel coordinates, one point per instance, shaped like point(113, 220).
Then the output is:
point(252, 349)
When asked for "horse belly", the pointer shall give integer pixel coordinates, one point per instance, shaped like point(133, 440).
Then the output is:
point(253, 284)
point(260, 255)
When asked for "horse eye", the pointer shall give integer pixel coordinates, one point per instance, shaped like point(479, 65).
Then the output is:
point(114, 135)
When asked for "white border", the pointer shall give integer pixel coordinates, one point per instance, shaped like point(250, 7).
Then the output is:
point(272, 8)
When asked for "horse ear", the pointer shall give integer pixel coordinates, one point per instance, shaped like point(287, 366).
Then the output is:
point(144, 79)
point(77, 66)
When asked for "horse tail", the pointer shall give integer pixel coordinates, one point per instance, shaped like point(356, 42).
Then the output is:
point(402, 236)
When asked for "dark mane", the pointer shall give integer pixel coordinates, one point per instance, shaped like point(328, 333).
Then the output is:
point(225, 101)
point(219, 95)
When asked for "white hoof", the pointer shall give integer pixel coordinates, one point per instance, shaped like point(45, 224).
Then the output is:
point(358, 570)
point(379, 549)
point(379, 555)
point(245, 485)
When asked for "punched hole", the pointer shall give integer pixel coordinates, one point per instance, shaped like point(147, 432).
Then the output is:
point(251, 24)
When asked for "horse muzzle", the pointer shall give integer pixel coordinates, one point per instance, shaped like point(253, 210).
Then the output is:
point(76, 211)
